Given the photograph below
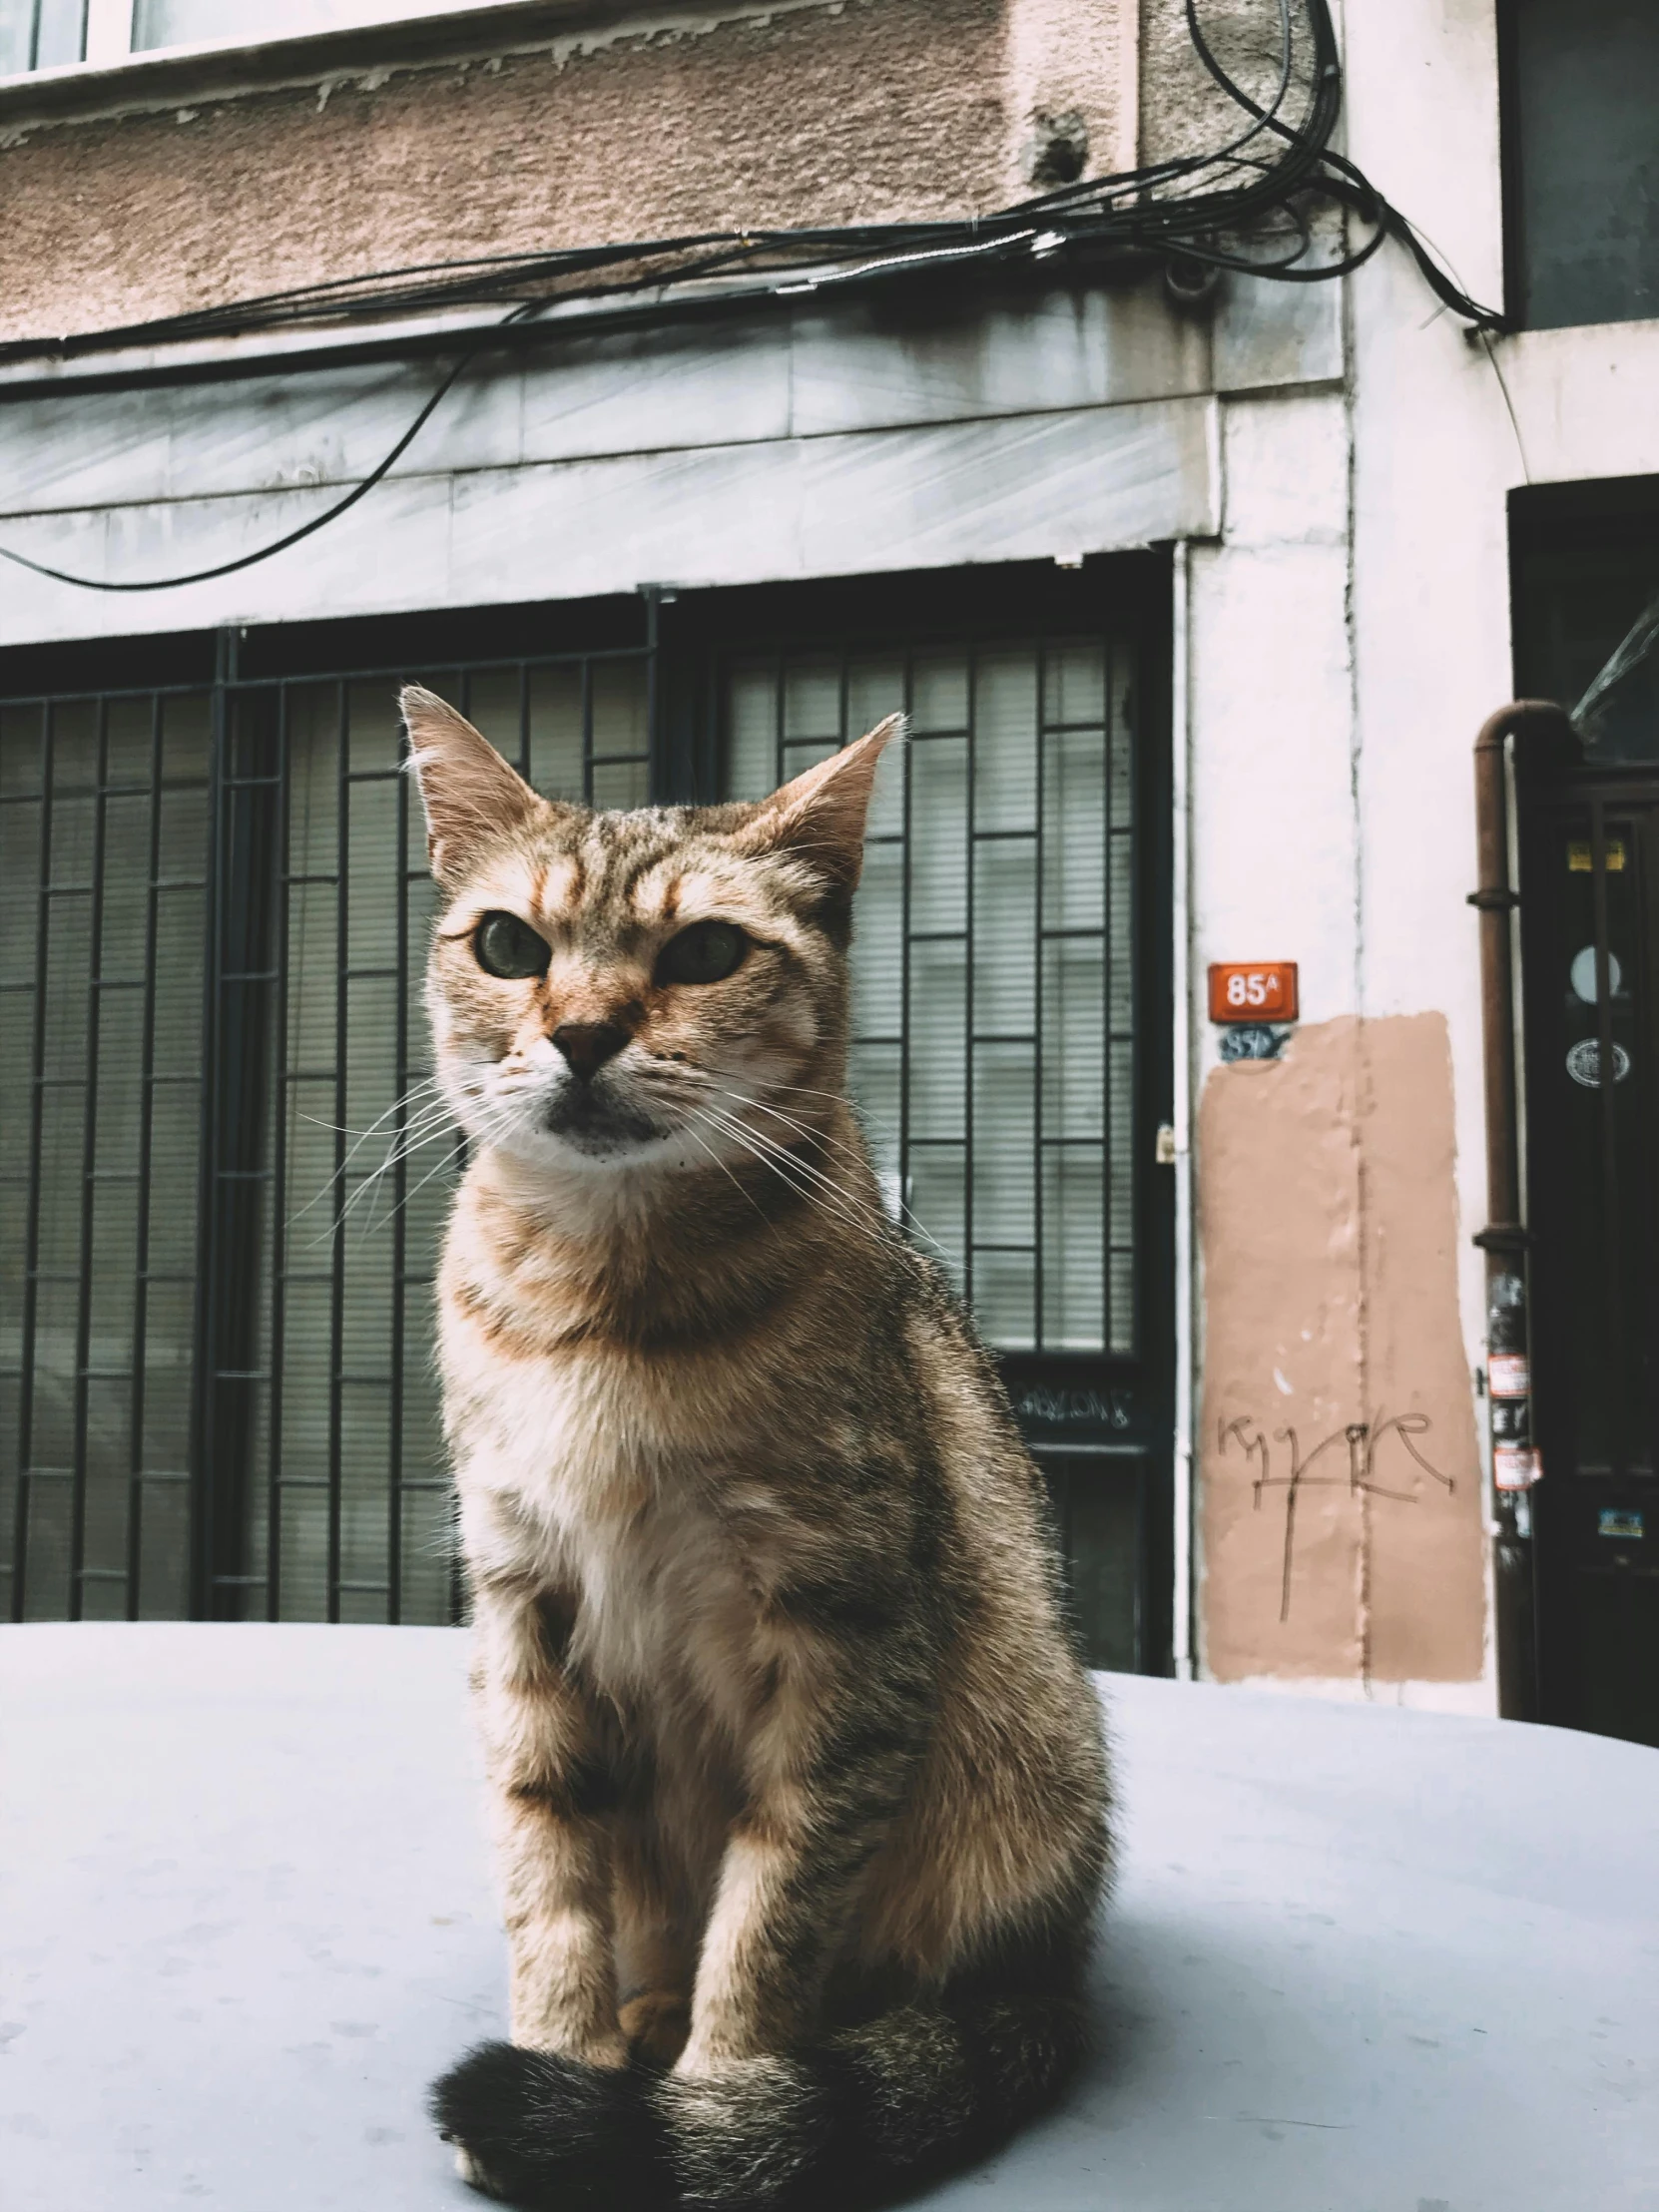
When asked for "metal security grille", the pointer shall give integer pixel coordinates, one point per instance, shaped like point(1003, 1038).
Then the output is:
point(223, 1172)
point(225, 1169)
point(104, 836)
point(994, 1054)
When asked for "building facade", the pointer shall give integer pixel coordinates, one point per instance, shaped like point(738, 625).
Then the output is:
point(1196, 587)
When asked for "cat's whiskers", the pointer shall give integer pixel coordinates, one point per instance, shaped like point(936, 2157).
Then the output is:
point(492, 1126)
point(736, 1183)
point(808, 1129)
point(376, 1183)
point(807, 1090)
point(912, 1223)
point(433, 1122)
point(377, 1128)
point(816, 1187)
point(371, 1183)
point(377, 1125)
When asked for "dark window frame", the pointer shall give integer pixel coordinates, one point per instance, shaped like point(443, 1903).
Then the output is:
point(1519, 303)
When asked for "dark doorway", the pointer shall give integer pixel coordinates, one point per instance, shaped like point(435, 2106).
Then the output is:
point(1587, 561)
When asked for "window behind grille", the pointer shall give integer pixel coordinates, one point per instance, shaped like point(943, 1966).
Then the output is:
point(347, 1507)
point(993, 1059)
point(222, 1168)
point(103, 842)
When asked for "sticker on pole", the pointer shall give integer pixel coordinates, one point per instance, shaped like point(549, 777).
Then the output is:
point(1507, 1375)
point(1516, 1466)
point(1252, 990)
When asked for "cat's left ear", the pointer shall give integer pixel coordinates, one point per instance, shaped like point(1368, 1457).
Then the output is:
point(819, 817)
point(471, 795)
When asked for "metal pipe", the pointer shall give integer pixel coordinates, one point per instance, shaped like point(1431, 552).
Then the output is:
point(1505, 1238)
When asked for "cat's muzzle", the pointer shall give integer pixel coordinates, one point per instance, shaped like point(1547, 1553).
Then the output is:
point(592, 1118)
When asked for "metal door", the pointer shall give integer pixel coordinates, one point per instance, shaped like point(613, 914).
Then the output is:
point(1590, 873)
point(1010, 1054)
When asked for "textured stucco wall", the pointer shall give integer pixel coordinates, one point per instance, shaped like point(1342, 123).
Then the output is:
point(1182, 108)
point(1342, 1495)
point(1072, 60)
point(806, 112)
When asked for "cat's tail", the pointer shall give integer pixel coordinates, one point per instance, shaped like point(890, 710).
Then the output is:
point(868, 2111)
point(874, 2109)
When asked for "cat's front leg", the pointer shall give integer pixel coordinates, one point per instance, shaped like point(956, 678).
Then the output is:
point(551, 1801)
point(827, 1771)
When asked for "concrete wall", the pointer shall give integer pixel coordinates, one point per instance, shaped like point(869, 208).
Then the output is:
point(1351, 631)
point(186, 185)
point(1182, 108)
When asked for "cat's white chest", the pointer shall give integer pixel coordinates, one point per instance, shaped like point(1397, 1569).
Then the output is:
point(575, 1477)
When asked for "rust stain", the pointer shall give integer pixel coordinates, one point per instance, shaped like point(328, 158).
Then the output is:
point(1340, 1467)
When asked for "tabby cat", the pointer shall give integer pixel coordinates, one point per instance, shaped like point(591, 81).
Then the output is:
point(798, 1783)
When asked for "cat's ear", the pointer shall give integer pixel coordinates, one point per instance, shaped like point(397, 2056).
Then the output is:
point(470, 794)
point(819, 817)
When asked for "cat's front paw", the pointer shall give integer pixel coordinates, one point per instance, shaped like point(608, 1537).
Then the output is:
point(656, 2023)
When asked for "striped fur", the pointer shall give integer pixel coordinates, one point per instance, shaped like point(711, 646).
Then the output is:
point(797, 1784)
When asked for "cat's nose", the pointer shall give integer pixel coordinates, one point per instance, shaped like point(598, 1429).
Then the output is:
point(587, 1045)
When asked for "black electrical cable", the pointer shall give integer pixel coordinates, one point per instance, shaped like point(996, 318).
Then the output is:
point(1128, 211)
point(1344, 183)
point(277, 545)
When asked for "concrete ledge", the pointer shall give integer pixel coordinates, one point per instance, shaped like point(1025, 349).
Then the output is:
point(1358, 1958)
point(163, 76)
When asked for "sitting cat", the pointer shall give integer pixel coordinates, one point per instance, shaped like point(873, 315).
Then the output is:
point(798, 1785)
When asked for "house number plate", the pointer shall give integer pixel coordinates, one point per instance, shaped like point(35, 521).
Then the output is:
point(1252, 990)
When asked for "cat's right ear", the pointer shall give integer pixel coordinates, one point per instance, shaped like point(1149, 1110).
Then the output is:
point(471, 795)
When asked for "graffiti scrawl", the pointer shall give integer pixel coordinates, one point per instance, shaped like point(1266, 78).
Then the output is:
point(1365, 1442)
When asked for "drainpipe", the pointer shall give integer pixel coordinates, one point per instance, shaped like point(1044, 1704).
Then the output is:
point(1181, 1106)
point(1504, 1239)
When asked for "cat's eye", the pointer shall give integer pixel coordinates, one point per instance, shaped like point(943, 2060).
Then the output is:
point(510, 949)
point(707, 952)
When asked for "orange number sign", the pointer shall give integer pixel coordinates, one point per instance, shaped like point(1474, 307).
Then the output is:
point(1252, 990)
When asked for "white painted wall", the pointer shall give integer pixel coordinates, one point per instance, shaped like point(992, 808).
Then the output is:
point(1436, 456)
point(1352, 632)
point(1274, 858)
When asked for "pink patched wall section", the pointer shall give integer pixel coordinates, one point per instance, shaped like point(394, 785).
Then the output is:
point(1340, 1521)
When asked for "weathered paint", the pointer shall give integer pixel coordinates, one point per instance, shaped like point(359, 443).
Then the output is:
point(1334, 1364)
point(1072, 58)
point(791, 452)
